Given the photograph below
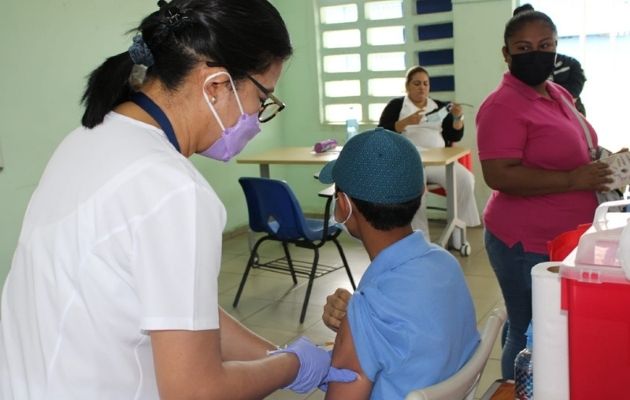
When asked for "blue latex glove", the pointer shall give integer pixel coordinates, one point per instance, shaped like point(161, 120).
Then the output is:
point(315, 369)
point(337, 375)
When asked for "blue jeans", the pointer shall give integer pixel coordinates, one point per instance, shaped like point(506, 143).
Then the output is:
point(512, 266)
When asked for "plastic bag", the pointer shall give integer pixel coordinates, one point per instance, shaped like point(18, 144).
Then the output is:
point(613, 194)
point(563, 244)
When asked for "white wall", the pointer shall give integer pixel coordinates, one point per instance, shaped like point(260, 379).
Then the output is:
point(478, 27)
point(49, 46)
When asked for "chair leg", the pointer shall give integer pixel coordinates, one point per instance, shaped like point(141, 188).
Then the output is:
point(345, 262)
point(289, 261)
point(311, 278)
point(252, 256)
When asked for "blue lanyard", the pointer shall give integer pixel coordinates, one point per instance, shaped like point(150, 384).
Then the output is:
point(143, 101)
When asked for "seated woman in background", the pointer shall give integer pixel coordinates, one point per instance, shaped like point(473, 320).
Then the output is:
point(429, 123)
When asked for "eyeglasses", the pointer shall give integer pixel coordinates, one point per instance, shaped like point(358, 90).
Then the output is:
point(270, 106)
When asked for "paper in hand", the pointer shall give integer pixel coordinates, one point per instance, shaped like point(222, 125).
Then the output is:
point(620, 165)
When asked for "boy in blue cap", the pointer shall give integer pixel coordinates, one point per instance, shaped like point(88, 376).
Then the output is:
point(411, 322)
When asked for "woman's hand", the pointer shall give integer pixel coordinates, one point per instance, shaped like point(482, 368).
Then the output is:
point(458, 115)
point(413, 119)
point(511, 177)
point(456, 110)
point(335, 308)
point(592, 176)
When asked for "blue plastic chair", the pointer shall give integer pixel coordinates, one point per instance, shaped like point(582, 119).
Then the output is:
point(274, 210)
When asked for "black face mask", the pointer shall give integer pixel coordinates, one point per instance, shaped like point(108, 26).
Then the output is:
point(533, 68)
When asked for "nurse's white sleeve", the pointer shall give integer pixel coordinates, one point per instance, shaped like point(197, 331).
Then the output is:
point(176, 260)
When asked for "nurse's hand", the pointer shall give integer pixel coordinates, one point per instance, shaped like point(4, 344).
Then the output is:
point(315, 369)
point(335, 308)
point(337, 375)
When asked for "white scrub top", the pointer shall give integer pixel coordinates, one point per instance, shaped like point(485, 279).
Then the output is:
point(122, 236)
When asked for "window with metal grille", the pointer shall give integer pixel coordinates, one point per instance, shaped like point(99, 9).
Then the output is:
point(365, 47)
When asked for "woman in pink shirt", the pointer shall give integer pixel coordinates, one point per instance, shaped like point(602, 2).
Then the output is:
point(535, 158)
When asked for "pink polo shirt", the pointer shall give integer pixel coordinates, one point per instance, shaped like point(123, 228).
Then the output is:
point(516, 122)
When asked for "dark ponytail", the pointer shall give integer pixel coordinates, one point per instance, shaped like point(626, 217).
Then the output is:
point(242, 36)
point(107, 87)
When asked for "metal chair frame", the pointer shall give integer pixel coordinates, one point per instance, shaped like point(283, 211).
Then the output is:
point(302, 232)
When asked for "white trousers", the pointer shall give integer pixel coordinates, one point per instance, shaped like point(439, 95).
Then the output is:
point(465, 185)
point(420, 221)
point(466, 204)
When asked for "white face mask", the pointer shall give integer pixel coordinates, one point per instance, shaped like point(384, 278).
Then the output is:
point(437, 116)
point(334, 209)
point(342, 224)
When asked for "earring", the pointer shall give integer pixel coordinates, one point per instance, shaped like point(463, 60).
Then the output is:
point(213, 99)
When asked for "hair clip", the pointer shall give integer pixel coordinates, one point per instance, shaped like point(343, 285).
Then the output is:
point(140, 53)
point(175, 17)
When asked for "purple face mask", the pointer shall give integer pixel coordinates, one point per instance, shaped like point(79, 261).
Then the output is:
point(234, 138)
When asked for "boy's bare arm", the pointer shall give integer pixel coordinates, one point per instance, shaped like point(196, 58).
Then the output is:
point(345, 356)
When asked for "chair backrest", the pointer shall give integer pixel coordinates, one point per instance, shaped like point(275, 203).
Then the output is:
point(273, 208)
point(462, 385)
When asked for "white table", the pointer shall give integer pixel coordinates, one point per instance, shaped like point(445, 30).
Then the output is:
point(446, 156)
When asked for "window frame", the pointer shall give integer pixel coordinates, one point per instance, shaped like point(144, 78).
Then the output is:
point(410, 21)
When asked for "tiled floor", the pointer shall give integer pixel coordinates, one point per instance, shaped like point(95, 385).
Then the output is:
point(271, 305)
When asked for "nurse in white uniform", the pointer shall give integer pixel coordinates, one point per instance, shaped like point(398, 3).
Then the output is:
point(112, 293)
point(430, 123)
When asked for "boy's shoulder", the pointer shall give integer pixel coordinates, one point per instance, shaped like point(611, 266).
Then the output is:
point(412, 256)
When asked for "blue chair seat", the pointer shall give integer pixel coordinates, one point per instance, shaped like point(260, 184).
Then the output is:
point(316, 229)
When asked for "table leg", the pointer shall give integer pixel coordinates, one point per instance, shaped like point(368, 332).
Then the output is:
point(452, 220)
point(251, 236)
point(264, 170)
